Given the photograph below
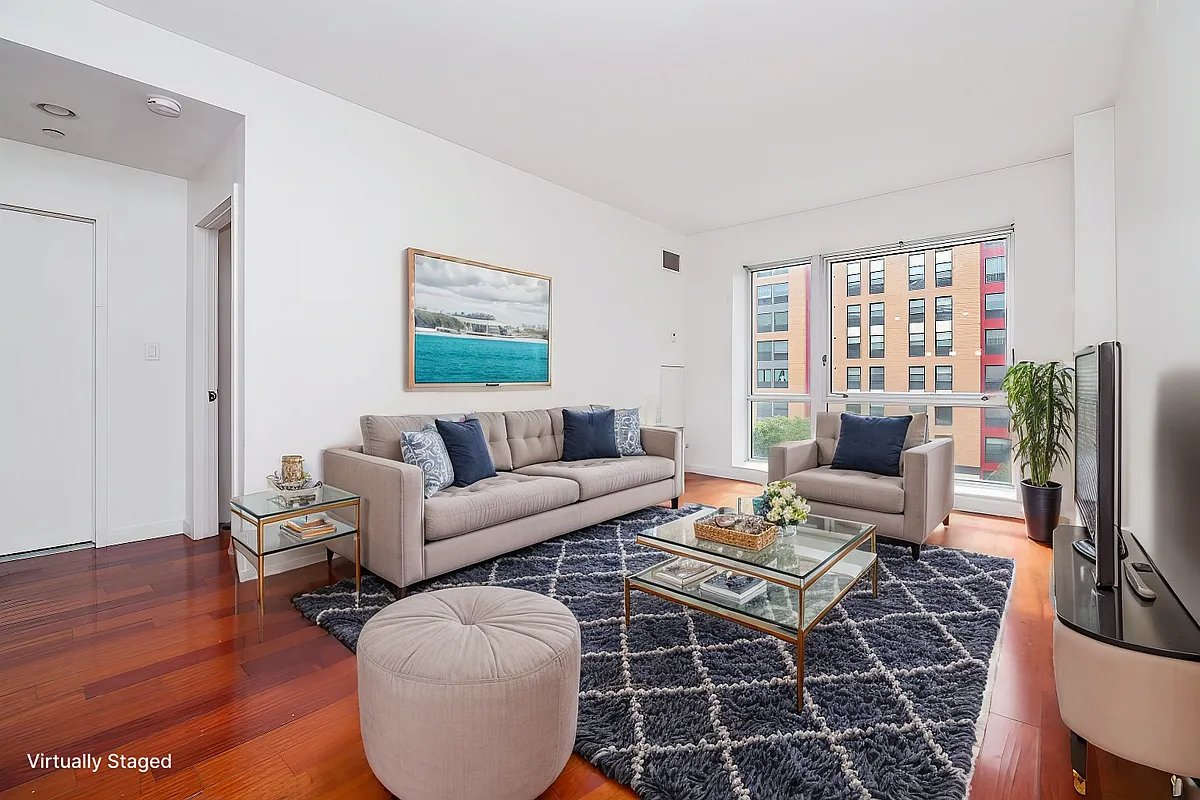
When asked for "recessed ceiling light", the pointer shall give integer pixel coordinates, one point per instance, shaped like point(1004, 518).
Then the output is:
point(164, 106)
point(54, 110)
point(53, 133)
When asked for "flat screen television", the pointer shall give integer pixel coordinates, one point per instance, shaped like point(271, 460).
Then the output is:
point(1098, 456)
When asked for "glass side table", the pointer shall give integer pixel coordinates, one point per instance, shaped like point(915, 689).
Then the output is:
point(267, 511)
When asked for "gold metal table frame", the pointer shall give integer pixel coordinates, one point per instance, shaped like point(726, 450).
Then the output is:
point(258, 559)
point(786, 633)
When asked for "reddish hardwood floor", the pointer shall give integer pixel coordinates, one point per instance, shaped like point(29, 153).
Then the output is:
point(135, 649)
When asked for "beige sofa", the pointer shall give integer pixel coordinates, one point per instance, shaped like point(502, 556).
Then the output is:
point(534, 496)
point(908, 507)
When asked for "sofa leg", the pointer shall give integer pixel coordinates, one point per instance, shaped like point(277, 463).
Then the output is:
point(328, 557)
point(916, 551)
point(946, 521)
point(675, 502)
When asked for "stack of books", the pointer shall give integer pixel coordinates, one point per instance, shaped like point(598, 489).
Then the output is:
point(681, 572)
point(733, 587)
point(317, 526)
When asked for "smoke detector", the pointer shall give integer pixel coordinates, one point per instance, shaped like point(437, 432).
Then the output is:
point(164, 106)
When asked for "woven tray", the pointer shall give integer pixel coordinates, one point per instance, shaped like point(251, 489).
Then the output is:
point(749, 541)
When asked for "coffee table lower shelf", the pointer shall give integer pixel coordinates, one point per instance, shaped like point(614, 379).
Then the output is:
point(781, 611)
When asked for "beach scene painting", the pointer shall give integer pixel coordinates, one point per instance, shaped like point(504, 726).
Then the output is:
point(476, 324)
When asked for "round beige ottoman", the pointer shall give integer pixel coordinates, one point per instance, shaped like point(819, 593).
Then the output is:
point(469, 693)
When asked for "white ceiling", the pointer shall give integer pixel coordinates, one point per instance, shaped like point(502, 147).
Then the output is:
point(112, 122)
point(700, 113)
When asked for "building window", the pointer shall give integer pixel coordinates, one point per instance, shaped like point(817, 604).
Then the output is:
point(994, 269)
point(853, 279)
point(993, 376)
point(768, 374)
point(916, 379)
point(943, 268)
point(854, 408)
point(877, 379)
point(996, 417)
point(943, 308)
point(943, 343)
point(772, 409)
point(993, 305)
point(853, 316)
point(876, 345)
point(943, 415)
point(916, 271)
point(854, 378)
point(996, 450)
point(943, 378)
point(995, 341)
point(877, 411)
point(916, 310)
point(781, 320)
point(876, 314)
point(854, 346)
point(877, 276)
point(916, 344)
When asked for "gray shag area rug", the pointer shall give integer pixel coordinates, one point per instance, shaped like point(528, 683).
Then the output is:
point(682, 705)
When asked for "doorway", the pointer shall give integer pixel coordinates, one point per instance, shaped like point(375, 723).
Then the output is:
point(47, 415)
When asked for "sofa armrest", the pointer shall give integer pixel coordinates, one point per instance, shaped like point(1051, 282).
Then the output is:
point(928, 487)
point(788, 458)
point(668, 443)
point(393, 500)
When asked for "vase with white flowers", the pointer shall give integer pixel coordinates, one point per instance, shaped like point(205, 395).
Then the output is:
point(782, 505)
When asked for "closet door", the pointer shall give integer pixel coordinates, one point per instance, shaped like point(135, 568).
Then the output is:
point(46, 381)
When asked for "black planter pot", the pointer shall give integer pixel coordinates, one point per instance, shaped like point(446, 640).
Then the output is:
point(1042, 507)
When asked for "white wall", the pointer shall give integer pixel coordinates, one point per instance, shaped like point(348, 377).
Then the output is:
point(1158, 172)
point(1094, 156)
point(333, 195)
point(145, 217)
point(1036, 197)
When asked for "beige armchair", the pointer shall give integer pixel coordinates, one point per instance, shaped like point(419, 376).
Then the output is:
point(908, 507)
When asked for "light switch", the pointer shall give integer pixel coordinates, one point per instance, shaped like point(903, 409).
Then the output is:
point(152, 351)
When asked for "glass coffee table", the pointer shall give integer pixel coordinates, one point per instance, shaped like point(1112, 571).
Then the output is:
point(807, 572)
point(267, 511)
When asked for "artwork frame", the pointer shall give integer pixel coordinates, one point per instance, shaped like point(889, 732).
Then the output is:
point(521, 366)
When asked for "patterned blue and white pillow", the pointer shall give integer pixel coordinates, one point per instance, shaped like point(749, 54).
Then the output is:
point(629, 432)
point(425, 449)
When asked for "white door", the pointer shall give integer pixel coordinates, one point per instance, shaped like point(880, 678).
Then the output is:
point(46, 364)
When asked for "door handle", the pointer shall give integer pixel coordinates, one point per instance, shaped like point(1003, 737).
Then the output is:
point(212, 395)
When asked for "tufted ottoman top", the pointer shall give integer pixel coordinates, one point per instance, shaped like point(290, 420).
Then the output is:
point(472, 634)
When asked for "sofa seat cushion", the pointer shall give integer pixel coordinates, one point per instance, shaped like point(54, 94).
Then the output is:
point(597, 477)
point(846, 487)
point(491, 501)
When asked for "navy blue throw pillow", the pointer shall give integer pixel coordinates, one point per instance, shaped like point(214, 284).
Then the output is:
point(870, 444)
point(468, 450)
point(589, 434)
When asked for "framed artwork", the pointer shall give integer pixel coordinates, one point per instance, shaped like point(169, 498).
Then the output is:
point(472, 324)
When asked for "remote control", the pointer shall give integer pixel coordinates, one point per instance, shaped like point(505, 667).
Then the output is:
point(1135, 580)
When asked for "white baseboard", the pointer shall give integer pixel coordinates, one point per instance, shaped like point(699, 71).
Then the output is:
point(137, 533)
point(283, 562)
point(749, 474)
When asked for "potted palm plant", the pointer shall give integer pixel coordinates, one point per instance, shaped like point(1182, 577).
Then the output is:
point(1041, 401)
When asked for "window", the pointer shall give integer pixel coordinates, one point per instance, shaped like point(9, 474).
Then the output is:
point(854, 378)
point(943, 268)
point(853, 279)
point(995, 340)
point(943, 378)
point(943, 308)
point(876, 345)
point(854, 408)
point(853, 316)
point(996, 450)
point(993, 376)
point(775, 409)
point(943, 415)
point(877, 411)
point(916, 344)
point(916, 271)
point(770, 373)
point(916, 310)
point(916, 379)
point(853, 346)
point(943, 343)
point(877, 276)
point(773, 321)
point(994, 269)
point(876, 314)
point(772, 422)
point(996, 417)
point(993, 305)
point(877, 379)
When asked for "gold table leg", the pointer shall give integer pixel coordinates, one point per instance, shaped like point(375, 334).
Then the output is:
point(261, 582)
point(800, 671)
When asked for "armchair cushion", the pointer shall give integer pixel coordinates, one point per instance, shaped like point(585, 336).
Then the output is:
point(851, 488)
point(871, 444)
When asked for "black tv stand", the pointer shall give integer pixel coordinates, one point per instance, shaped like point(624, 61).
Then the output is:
point(1119, 657)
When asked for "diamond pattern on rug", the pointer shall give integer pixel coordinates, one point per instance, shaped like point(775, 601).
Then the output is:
point(681, 704)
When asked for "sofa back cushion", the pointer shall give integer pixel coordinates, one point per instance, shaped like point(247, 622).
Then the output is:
point(829, 425)
point(495, 430)
point(535, 437)
point(381, 434)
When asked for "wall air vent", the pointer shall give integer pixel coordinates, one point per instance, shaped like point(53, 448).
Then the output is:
point(670, 261)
